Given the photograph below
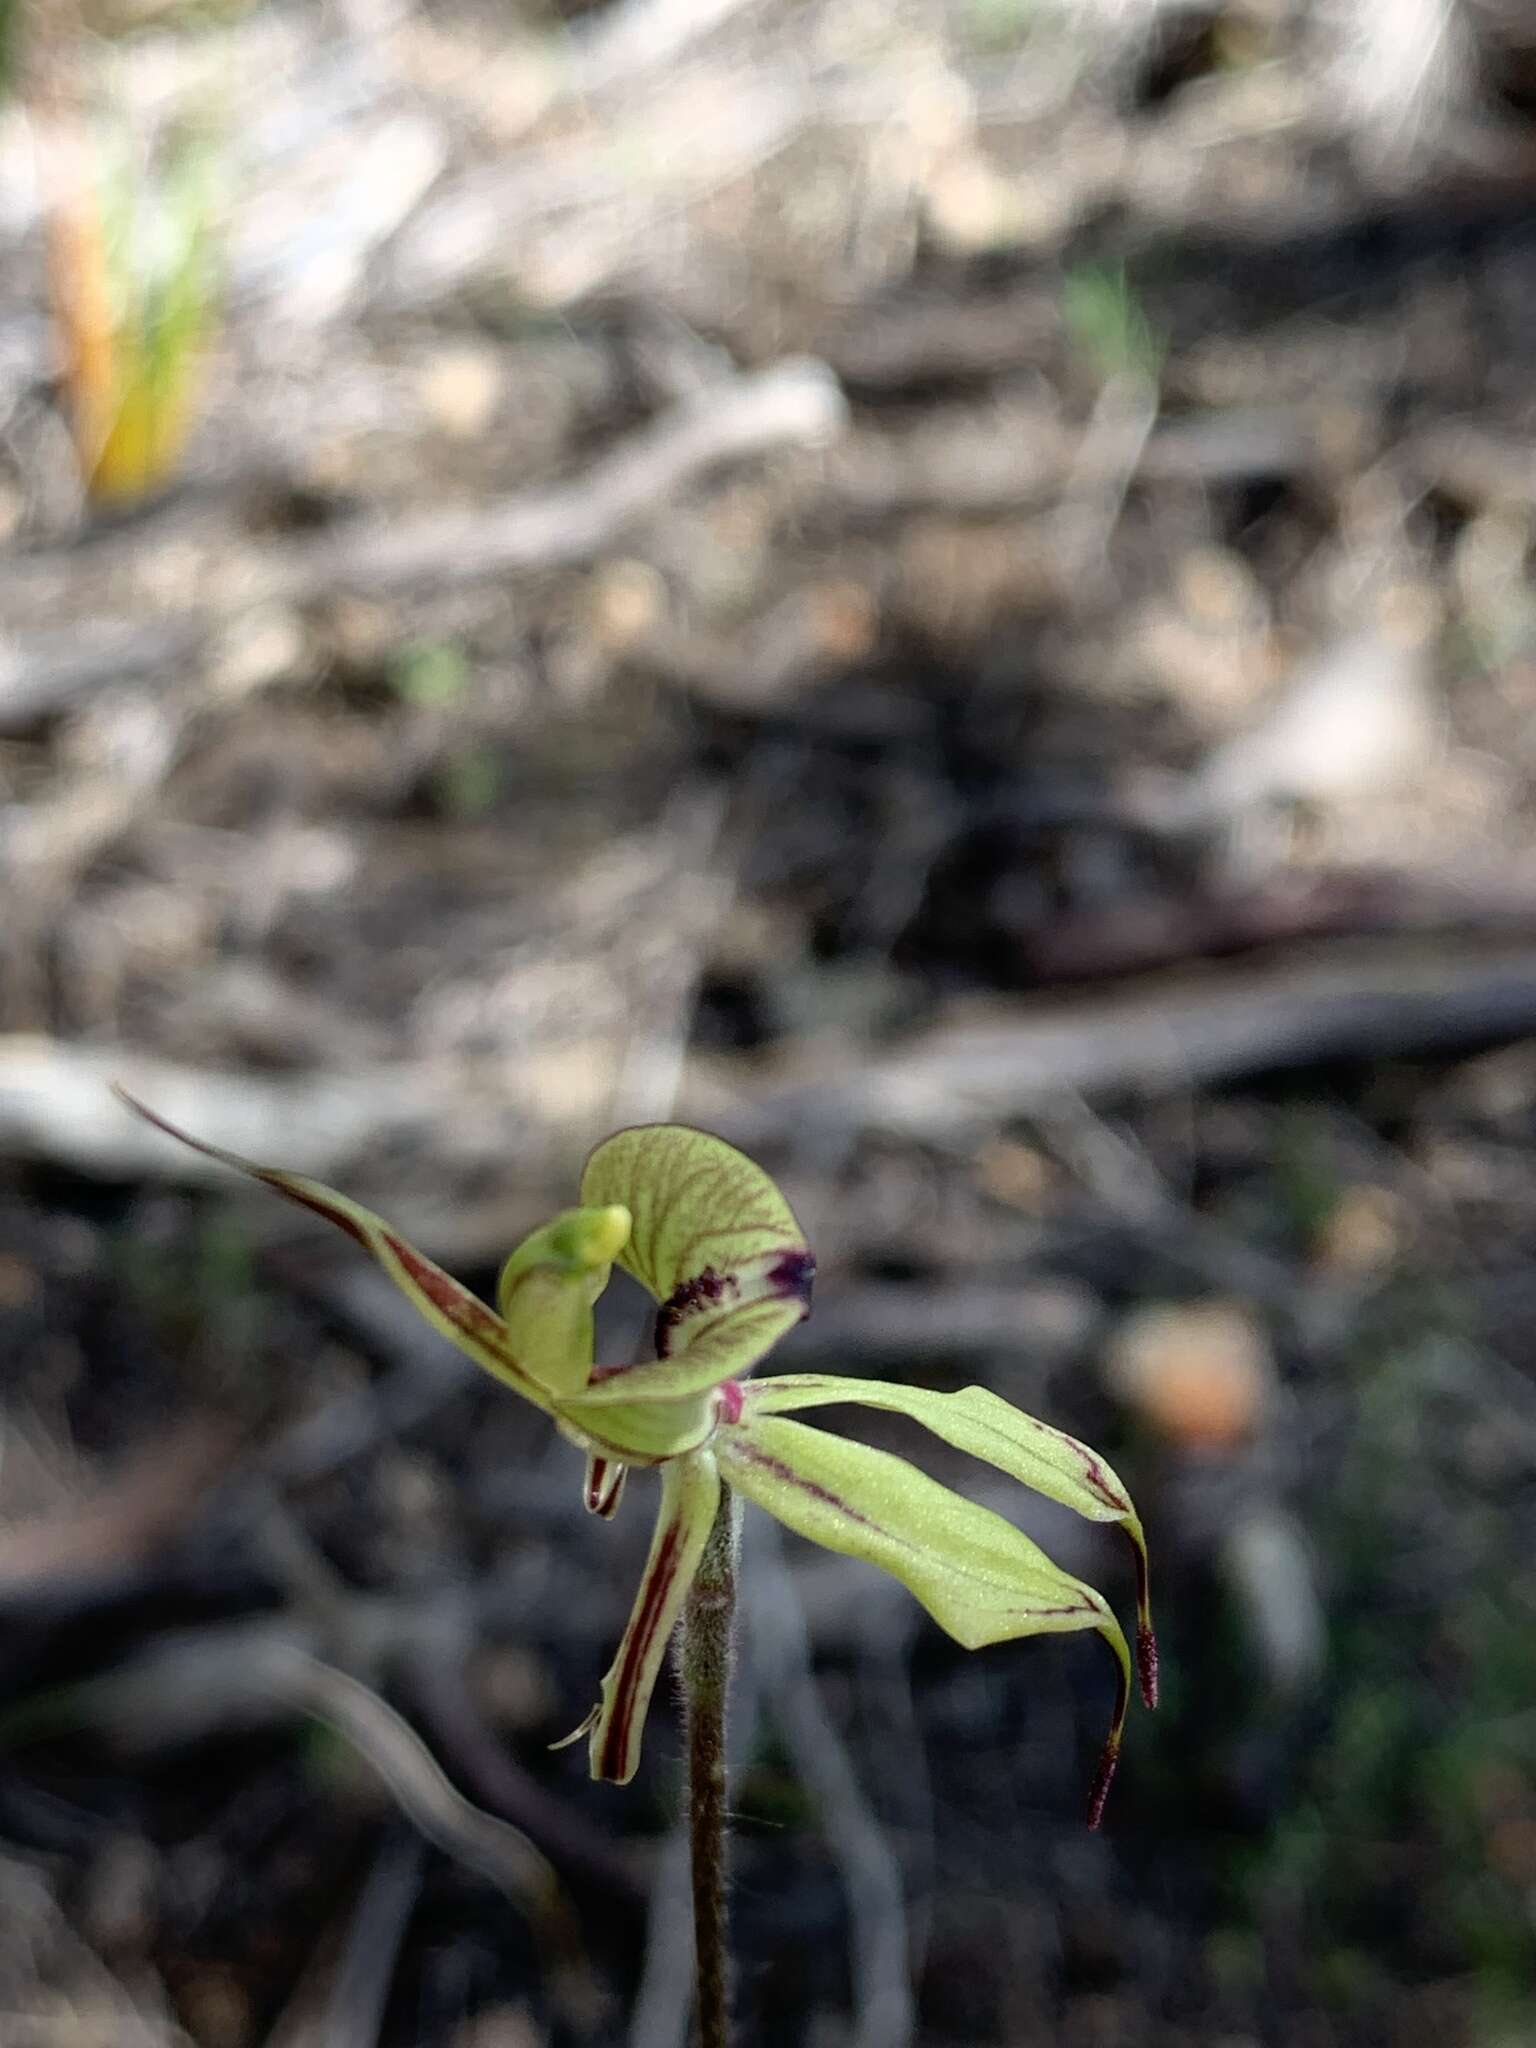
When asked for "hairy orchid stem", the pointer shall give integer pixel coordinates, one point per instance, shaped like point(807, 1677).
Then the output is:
point(704, 1664)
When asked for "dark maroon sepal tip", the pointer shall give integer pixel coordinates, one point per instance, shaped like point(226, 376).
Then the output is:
point(1146, 1664)
point(1103, 1778)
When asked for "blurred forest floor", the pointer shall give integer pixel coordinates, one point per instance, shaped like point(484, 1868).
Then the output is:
point(942, 589)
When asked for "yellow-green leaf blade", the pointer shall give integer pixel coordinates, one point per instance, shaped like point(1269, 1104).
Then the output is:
point(438, 1298)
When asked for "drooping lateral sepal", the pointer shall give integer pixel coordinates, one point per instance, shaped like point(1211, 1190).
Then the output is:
point(980, 1578)
point(447, 1305)
point(975, 1420)
point(690, 1493)
point(714, 1242)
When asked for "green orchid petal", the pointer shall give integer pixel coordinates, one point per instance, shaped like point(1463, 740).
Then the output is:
point(637, 1432)
point(690, 1493)
point(974, 1420)
point(729, 1344)
point(450, 1308)
point(714, 1242)
point(547, 1289)
point(980, 1578)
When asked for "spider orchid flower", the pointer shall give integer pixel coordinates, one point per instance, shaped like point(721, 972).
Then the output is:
point(716, 1245)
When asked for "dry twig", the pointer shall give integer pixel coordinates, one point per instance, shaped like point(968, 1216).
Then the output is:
point(795, 403)
point(970, 1071)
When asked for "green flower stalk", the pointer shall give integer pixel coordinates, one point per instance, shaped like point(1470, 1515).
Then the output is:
point(716, 1245)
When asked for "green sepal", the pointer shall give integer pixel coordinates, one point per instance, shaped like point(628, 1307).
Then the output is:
point(981, 1579)
point(441, 1300)
point(980, 1422)
point(690, 1493)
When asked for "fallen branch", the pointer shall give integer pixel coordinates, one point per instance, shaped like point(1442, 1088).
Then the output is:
point(793, 404)
point(44, 673)
point(796, 403)
point(1151, 1037)
point(967, 1073)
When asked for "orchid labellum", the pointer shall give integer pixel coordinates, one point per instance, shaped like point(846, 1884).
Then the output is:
point(708, 1234)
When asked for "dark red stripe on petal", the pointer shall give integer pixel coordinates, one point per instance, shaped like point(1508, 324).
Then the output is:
point(446, 1295)
point(1095, 1477)
point(339, 1217)
point(1095, 1480)
point(658, 1585)
point(780, 1470)
point(791, 1276)
point(605, 1482)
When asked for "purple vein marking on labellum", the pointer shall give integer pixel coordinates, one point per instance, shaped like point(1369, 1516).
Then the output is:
point(706, 1290)
point(787, 1278)
point(791, 1275)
